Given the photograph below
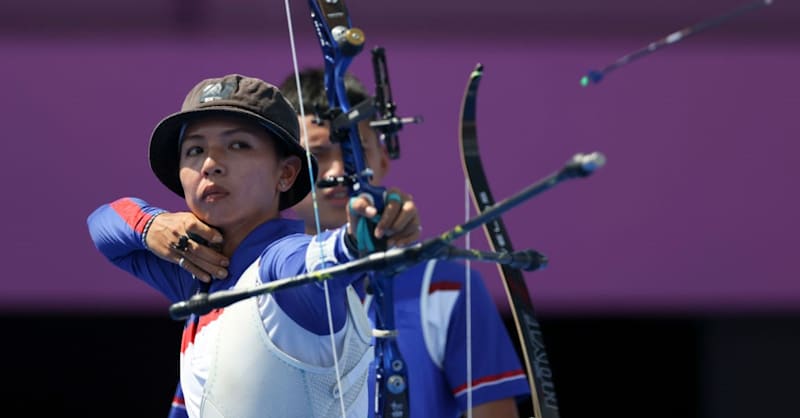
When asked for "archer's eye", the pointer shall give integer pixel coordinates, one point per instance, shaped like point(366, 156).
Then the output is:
point(194, 151)
point(240, 145)
point(321, 153)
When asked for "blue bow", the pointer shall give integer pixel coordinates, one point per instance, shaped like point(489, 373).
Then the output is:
point(340, 43)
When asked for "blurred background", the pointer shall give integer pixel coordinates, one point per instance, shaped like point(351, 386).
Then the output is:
point(672, 289)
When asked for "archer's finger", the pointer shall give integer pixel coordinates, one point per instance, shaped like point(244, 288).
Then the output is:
point(393, 202)
point(213, 264)
point(204, 234)
point(399, 214)
point(209, 256)
point(361, 206)
point(407, 235)
point(196, 272)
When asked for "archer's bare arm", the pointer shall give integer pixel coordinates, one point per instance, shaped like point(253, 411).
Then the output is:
point(502, 408)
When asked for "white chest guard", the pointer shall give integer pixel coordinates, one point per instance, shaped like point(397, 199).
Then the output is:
point(249, 376)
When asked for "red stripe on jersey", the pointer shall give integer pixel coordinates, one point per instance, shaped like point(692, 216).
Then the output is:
point(178, 401)
point(133, 215)
point(435, 287)
point(490, 379)
point(191, 330)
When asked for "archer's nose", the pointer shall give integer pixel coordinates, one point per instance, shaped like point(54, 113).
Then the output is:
point(213, 165)
point(331, 163)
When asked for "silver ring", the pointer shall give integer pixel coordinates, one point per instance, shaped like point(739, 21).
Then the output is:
point(181, 261)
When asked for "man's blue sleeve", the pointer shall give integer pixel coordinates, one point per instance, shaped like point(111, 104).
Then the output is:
point(496, 369)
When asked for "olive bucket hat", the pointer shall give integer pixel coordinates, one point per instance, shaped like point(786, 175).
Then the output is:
point(233, 94)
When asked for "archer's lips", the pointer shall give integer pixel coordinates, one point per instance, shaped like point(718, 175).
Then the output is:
point(337, 196)
point(213, 193)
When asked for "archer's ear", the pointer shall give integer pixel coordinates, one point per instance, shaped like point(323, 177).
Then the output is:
point(289, 170)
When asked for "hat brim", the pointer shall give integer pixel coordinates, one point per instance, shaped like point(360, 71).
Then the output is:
point(164, 153)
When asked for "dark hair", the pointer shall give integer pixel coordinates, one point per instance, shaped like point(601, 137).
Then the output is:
point(312, 82)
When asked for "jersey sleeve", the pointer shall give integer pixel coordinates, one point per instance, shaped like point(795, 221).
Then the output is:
point(297, 254)
point(496, 369)
point(117, 230)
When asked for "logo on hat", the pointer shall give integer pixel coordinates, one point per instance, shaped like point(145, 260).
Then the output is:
point(217, 91)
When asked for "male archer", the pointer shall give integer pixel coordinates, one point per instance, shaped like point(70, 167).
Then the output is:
point(429, 299)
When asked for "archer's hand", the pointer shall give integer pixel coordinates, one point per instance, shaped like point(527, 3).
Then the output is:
point(399, 222)
point(177, 237)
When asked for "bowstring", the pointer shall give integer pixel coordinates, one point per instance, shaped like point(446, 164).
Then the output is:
point(304, 135)
point(468, 277)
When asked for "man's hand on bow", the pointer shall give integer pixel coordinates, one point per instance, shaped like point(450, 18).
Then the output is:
point(399, 222)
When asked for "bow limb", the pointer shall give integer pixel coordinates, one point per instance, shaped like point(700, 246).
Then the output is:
point(534, 356)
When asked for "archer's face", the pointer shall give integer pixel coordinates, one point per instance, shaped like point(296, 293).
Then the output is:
point(231, 174)
point(332, 202)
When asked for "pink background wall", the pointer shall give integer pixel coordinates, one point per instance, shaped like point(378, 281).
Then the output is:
point(695, 211)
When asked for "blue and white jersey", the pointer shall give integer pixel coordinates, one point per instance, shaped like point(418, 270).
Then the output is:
point(294, 320)
point(430, 306)
point(430, 316)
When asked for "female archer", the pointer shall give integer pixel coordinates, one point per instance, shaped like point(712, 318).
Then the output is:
point(233, 154)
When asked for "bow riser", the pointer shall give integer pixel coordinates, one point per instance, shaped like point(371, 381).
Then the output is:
point(340, 43)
